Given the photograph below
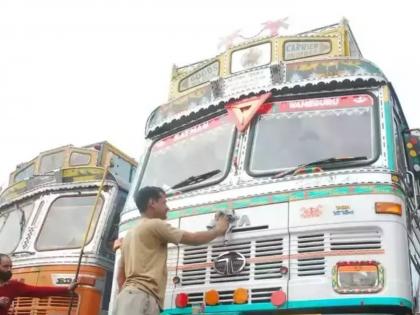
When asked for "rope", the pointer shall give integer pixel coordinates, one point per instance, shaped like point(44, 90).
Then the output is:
point(88, 231)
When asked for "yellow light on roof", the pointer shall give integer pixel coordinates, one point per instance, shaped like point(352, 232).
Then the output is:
point(80, 174)
point(13, 191)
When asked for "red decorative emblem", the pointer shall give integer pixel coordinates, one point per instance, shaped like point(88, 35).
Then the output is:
point(311, 212)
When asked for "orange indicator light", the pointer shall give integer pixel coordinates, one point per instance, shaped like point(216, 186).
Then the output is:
point(240, 296)
point(211, 297)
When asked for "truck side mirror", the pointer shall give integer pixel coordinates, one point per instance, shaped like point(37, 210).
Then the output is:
point(412, 150)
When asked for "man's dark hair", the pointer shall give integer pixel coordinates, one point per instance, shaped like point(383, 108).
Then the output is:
point(143, 195)
point(3, 255)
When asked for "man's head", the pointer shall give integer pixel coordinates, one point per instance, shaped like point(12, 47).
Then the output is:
point(5, 268)
point(151, 202)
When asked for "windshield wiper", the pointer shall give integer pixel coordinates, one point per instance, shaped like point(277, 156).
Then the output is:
point(196, 179)
point(318, 163)
point(22, 221)
point(6, 216)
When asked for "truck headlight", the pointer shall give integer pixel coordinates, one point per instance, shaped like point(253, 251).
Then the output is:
point(354, 277)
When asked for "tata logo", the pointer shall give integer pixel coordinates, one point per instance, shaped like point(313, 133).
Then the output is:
point(229, 263)
point(62, 279)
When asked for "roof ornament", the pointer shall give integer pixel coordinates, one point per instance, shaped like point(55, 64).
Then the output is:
point(274, 26)
point(235, 38)
point(228, 41)
point(243, 111)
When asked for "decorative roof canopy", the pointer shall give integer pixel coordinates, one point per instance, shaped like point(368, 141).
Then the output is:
point(283, 78)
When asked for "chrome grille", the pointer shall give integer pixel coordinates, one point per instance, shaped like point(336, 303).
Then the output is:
point(318, 243)
point(250, 249)
point(308, 259)
point(244, 248)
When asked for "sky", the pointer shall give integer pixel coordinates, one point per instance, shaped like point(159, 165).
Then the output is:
point(84, 71)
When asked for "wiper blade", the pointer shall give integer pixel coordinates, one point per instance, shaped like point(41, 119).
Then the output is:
point(196, 179)
point(22, 218)
point(6, 216)
point(318, 163)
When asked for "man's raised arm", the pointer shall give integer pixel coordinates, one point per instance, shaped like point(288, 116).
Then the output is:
point(203, 237)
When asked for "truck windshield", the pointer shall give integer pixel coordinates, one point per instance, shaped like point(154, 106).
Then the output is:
point(12, 223)
point(67, 221)
point(291, 133)
point(192, 152)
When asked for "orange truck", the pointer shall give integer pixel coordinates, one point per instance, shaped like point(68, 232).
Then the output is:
point(58, 218)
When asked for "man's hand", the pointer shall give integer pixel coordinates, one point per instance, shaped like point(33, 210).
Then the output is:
point(72, 286)
point(199, 238)
point(222, 223)
point(4, 301)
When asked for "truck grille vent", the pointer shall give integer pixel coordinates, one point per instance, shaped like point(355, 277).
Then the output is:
point(258, 295)
point(315, 245)
point(193, 255)
point(40, 306)
point(311, 266)
point(350, 240)
point(195, 298)
point(268, 270)
point(262, 294)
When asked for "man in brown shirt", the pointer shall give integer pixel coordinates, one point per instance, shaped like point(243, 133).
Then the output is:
point(142, 271)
